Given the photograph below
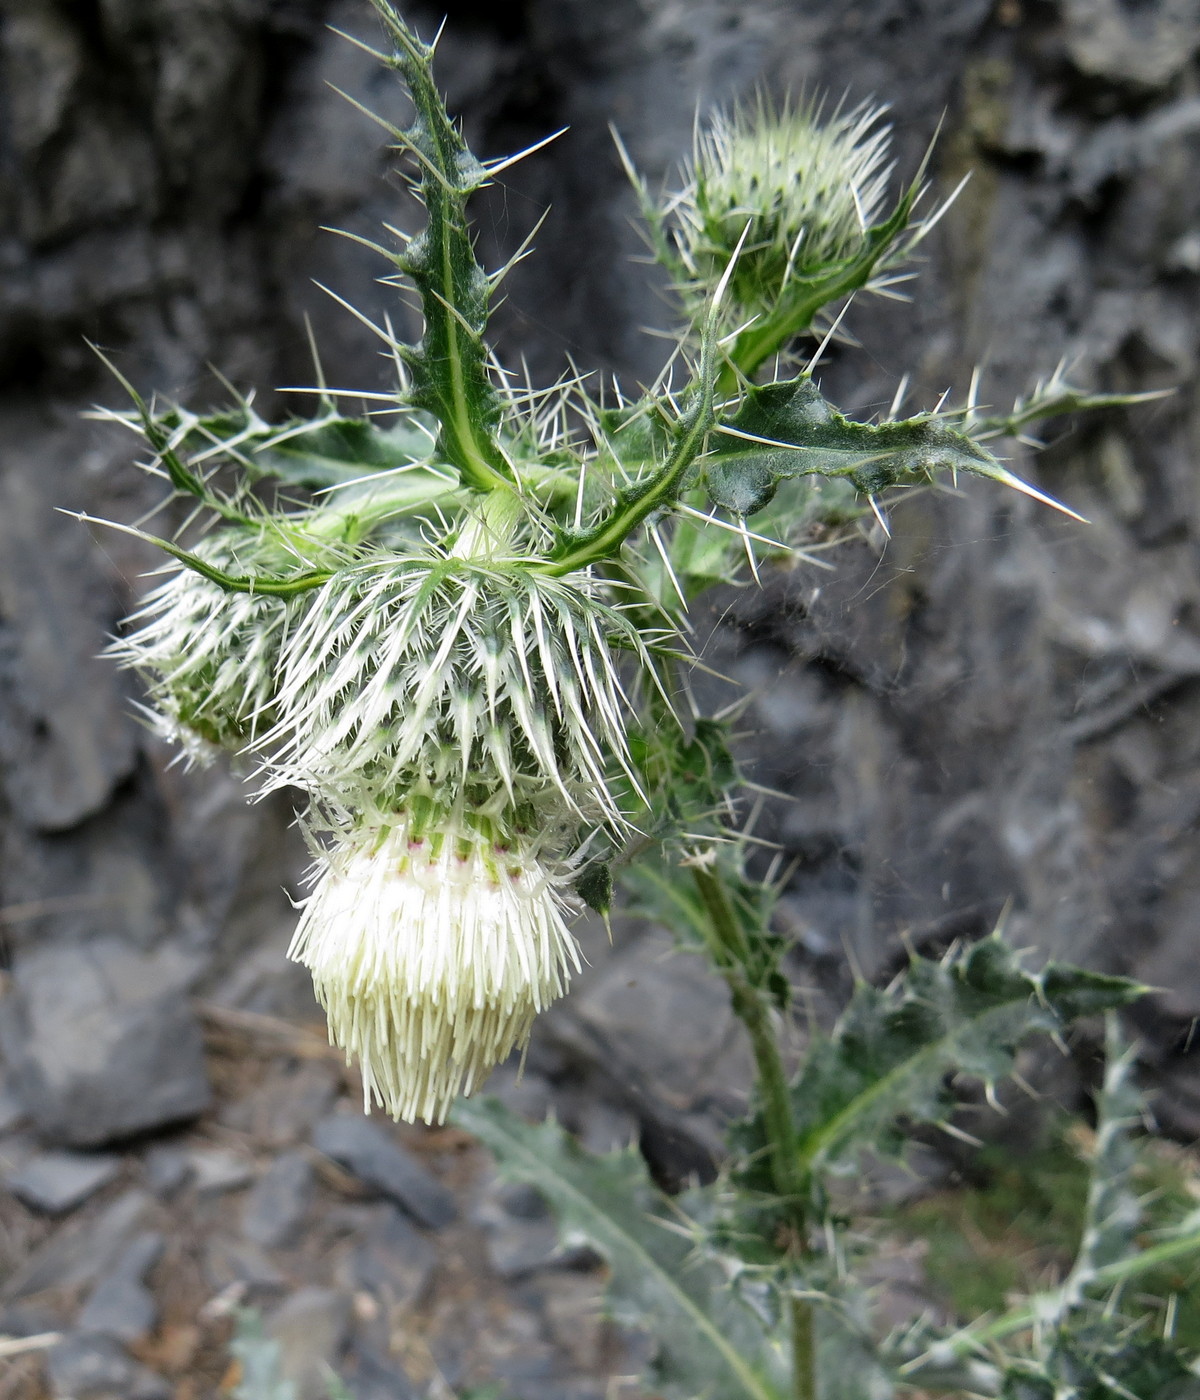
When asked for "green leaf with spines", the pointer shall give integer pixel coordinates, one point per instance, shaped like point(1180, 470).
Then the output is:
point(449, 366)
point(711, 1342)
point(886, 1063)
point(788, 430)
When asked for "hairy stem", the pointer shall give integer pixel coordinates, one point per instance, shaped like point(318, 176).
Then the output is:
point(751, 1006)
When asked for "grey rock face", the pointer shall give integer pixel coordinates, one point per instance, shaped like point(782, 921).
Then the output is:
point(102, 1043)
point(55, 1182)
point(371, 1154)
point(274, 1209)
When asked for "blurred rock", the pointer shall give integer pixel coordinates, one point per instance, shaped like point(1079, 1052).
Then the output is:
point(239, 1262)
point(524, 1092)
point(659, 1047)
point(214, 1170)
point(394, 1263)
point(55, 1182)
point(370, 1153)
point(12, 1110)
point(311, 1327)
point(274, 1210)
point(101, 1042)
point(73, 1258)
point(282, 1110)
point(121, 1305)
point(370, 1376)
point(166, 1169)
point(520, 1231)
point(94, 1367)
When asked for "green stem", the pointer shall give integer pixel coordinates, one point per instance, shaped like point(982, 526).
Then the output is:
point(804, 1351)
point(605, 541)
point(750, 1005)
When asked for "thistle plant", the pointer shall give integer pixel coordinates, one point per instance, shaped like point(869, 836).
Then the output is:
point(458, 628)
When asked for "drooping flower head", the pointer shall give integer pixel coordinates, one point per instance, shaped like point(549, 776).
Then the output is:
point(432, 948)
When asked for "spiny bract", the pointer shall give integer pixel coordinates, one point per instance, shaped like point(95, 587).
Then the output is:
point(475, 677)
point(209, 655)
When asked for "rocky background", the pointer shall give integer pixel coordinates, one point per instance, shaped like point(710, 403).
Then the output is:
point(995, 706)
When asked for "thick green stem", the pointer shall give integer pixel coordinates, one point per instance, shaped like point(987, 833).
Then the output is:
point(752, 1007)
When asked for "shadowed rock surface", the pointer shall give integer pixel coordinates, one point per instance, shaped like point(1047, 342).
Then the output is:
point(995, 705)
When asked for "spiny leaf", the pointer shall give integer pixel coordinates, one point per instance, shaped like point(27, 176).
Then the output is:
point(330, 450)
point(711, 1343)
point(892, 1048)
point(1104, 1358)
point(887, 1060)
point(450, 365)
point(788, 430)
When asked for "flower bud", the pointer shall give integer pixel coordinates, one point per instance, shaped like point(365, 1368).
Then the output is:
point(209, 656)
point(809, 191)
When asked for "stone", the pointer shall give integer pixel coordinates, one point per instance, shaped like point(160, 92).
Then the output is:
point(394, 1263)
point(370, 1153)
point(369, 1376)
point(242, 1263)
point(283, 1109)
point(520, 1232)
point(121, 1305)
point(606, 1128)
point(652, 985)
point(166, 1169)
point(218, 1169)
point(93, 1367)
point(528, 1094)
point(75, 1258)
point(56, 1182)
point(274, 1209)
point(311, 1328)
point(101, 1042)
point(12, 1111)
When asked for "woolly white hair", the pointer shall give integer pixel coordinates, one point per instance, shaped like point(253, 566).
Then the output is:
point(431, 955)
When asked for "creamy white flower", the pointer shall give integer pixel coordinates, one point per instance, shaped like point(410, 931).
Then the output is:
point(432, 955)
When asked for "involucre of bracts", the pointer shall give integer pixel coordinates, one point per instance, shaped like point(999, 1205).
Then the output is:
point(209, 656)
point(463, 679)
point(432, 948)
point(808, 189)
